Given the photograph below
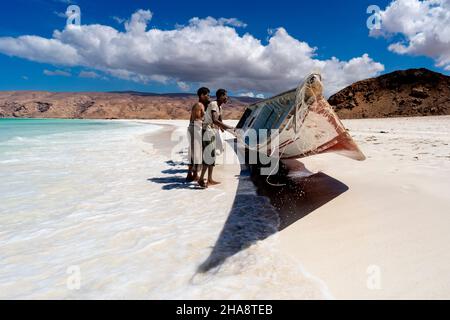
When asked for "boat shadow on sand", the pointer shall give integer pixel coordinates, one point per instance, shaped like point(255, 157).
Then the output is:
point(257, 216)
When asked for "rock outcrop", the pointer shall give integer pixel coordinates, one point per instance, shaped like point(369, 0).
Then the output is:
point(414, 92)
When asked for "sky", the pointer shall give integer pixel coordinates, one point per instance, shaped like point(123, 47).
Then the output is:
point(251, 48)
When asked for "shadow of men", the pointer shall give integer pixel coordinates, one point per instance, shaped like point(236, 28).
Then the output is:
point(176, 181)
point(255, 217)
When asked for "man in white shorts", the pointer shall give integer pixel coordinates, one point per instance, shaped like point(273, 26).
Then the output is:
point(212, 121)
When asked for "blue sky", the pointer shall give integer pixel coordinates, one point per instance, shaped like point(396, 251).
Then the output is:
point(337, 29)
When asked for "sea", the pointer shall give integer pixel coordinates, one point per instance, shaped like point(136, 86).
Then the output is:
point(90, 209)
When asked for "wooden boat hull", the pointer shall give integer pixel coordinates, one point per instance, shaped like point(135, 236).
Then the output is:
point(302, 129)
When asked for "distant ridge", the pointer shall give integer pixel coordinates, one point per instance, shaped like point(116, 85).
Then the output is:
point(413, 92)
point(107, 105)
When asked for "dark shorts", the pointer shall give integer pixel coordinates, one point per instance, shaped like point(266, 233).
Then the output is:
point(209, 147)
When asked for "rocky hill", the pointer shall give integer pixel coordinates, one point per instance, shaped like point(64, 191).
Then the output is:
point(413, 92)
point(114, 105)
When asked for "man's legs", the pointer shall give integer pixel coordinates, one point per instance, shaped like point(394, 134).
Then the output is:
point(211, 181)
point(210, 177)
point(195, 149)
point(213, 158)
point(195, 172)
point(190, 175)
point(201, 180)
point(209, 159)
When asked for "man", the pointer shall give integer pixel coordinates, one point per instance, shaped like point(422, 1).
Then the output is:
point(212, 120)
point(195, 134)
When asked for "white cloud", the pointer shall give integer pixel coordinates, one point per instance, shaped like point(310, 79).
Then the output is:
point(60, 14)
point(119, 20)
point(138, 23)
point(423, 25)
point(232, 22)
point(41, 50)
point(89, 74)
point(60, 73)
point(247, 94)
point(251, 95)
point(183, 86)
point(206, 51)
point(66, 1)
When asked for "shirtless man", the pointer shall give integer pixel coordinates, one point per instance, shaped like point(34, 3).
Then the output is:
point(195, 134)
point(213, 120)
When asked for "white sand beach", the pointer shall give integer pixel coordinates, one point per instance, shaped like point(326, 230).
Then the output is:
point(382, 233)
point(120, 213)
point(387, 236)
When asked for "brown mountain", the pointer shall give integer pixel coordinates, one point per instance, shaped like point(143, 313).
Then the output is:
point(114, 105)
point(413, 92)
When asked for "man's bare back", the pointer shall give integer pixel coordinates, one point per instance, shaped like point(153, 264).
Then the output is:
point(198, 112)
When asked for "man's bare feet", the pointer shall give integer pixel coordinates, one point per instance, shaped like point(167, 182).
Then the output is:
point(195, 178)
point(203, 184)
point(213, 183)
point(190, 177)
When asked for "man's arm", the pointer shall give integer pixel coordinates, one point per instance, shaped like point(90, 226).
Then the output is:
point(220, 119)
point(218, 122)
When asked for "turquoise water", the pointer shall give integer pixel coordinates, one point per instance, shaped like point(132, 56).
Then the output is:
point(87, 200)
point(32, 128)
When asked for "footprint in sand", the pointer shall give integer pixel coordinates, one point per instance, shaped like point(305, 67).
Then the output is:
point(371, 138)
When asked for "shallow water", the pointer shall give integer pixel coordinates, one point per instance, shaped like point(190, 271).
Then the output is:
point(81, 216)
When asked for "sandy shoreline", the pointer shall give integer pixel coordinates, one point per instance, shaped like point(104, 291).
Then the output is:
point(374, 229)
point(384, 235)
point(247, 250)
point(387, 236)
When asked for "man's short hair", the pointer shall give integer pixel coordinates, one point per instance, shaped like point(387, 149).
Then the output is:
point(220, 93)
point(202, 91)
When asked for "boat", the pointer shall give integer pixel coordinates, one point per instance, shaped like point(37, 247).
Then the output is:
point(296, 124)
